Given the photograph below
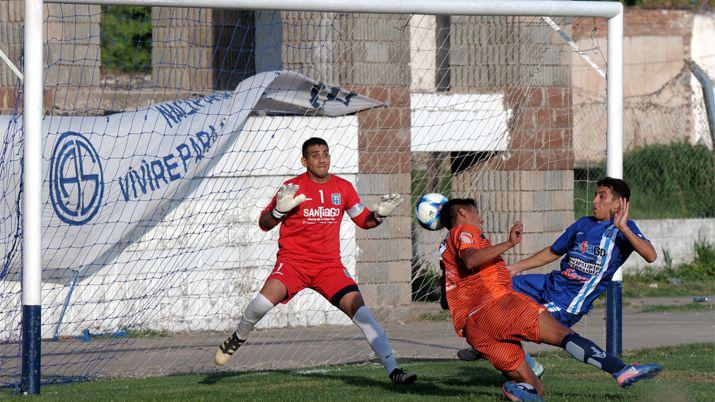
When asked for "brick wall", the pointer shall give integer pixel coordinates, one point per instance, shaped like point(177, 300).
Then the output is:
point(658, 97)
point(367, 54)
point(533, 180)
point(11, 16)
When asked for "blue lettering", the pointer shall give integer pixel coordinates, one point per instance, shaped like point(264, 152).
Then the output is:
point(141, 180)
point(214, 134)
point(134, 185)
point(197, 150)
point(178, 112)
point(184, 155)
point(185, 112)
point(170, 166)
point(168, 115)
point(145, 167)
point(205, 140)
point(124, 188)
point(158, 174)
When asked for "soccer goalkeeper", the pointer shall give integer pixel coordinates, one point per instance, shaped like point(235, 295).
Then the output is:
point(309, 209)
point(495, 319)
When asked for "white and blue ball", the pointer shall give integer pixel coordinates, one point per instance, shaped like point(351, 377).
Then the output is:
point(427, 210)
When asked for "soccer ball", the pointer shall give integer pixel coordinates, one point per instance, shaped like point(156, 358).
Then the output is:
point(427, 210)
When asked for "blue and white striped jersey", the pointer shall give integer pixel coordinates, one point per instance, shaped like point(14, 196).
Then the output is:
point(593, 252)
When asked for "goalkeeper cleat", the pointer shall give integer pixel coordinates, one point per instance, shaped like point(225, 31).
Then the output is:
point(400, 377)
point(225, 351)
point(633, 373)
point(520, 392)
point(469, 354)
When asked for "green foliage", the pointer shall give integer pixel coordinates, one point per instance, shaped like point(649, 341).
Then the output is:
point(674, 180)
point(689, 279)
point(126, 38)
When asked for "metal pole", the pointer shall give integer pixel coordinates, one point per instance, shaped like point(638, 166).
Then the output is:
point(708, 95)
point(444, 7)
point(32, 198)
point(614, 168)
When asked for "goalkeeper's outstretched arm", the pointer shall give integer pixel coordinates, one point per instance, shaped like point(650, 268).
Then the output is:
point(372, 218)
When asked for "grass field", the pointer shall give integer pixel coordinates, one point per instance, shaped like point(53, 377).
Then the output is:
point(689, 375)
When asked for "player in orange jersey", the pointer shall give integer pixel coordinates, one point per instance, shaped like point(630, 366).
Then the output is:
point(309, 209)
point(495, 319)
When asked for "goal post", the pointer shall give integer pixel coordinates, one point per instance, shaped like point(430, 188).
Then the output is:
point(33, 110)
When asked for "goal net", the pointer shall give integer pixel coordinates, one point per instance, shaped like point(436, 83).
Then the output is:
point(168, 130)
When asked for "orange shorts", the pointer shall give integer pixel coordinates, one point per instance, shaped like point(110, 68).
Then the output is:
point(497, 329)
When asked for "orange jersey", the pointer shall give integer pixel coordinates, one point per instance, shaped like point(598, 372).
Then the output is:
point(469, 290)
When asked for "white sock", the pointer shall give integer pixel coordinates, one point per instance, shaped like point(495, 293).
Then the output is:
point(375, 337)
point(256, 309)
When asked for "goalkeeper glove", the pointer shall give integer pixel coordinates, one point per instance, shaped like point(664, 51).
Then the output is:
point(387, 205)
point(287, 200)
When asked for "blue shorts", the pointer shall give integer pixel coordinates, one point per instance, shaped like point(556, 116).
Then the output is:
point(533, 285)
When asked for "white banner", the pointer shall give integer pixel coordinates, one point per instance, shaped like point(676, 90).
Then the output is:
point(109, 179)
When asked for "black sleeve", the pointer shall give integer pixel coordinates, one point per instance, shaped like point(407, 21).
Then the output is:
point(443, 289)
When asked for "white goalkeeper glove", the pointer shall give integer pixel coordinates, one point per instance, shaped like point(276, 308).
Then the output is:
point(387, 205)
point(287, 200)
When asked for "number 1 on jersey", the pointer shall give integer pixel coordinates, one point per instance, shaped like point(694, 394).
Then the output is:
point(322, 199)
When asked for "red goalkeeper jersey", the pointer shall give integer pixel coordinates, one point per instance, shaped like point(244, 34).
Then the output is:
point(310, 233)
point(468, 291)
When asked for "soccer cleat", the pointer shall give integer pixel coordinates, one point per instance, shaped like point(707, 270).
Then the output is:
point(520, 392)
point(633, 373)
point(400, 377)
point(225, 351)
point(468, 355)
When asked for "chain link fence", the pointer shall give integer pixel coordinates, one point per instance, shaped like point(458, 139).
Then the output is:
point(668, 151)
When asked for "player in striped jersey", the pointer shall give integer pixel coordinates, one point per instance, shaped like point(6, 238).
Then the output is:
point(495, 319)
point(594, 247)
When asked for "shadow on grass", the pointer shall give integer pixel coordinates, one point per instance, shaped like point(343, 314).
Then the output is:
point(213, 378)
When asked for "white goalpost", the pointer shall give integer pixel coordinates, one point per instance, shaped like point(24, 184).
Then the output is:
point(203, 125)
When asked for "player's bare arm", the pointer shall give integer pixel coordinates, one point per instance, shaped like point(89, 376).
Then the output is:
point(286, 200)
point(474, 258)
point(620, 220)
point(539, 259)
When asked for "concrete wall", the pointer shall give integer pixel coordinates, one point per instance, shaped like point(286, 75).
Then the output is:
point(660, 103)
point(676, 236)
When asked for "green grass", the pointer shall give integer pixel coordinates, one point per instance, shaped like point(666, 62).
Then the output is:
point(677, 308)
point(696, 278)
point(689, 375)
point(667, 181)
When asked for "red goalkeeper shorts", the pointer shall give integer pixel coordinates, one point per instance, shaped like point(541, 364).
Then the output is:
point(333, 281)
point(497, 329)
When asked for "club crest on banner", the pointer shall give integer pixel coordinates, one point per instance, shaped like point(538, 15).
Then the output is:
point(76, 179)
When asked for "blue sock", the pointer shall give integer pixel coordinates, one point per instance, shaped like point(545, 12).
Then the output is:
point(529, 360)
point(588, 352)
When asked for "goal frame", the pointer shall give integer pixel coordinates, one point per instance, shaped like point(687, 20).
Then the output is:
point(33, 107)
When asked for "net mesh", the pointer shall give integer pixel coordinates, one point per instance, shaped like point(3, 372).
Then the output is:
point(484, 107)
